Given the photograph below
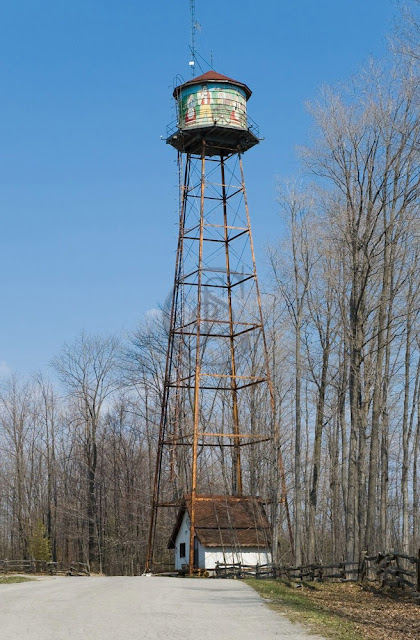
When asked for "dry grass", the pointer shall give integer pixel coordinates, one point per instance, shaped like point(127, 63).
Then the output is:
point(293, 601)
point(13, 579)
point(377, 614)
point(346, 611)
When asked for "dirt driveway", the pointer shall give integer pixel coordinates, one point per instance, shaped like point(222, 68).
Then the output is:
point(142, 608)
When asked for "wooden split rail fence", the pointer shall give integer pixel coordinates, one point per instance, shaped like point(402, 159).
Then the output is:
point(343, 571)
point(396, 570)
point(41, 566)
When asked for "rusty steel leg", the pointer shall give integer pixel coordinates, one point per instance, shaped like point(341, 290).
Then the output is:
point(267, 367)
point(197, 377)
point(183, 193)
point(168, 367)
point(237, 472)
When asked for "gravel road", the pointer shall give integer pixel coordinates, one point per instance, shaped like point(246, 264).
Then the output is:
point(142, 608)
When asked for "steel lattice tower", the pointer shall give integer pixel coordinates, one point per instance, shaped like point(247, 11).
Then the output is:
point(217, 367)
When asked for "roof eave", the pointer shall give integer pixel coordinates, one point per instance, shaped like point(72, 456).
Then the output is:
point(214, 545)
point(197, 81)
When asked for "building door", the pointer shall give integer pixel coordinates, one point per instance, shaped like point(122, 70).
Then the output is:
point(195, 552)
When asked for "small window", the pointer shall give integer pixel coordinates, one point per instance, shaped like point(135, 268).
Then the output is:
point(182, 550)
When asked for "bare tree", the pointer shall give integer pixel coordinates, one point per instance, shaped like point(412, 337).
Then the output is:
point(47, 408)
point(293, 281)
point(88, 369)
point(366, 151)
point(407, 40)
point(16, 422)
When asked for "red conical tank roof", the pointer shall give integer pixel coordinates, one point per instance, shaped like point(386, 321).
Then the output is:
point(212, 76)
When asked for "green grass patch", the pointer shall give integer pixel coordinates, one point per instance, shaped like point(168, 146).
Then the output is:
point(14, 579)
point(285, 597)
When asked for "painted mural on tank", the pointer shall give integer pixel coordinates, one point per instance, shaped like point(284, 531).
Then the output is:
point(212, 104)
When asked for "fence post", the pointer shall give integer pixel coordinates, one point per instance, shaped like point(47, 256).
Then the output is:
point(397, 562)
point(418, 571)
point(362, 568)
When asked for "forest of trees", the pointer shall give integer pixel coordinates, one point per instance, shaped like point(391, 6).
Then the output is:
point(342, 310)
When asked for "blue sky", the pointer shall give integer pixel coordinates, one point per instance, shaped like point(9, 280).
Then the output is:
point(88, 191)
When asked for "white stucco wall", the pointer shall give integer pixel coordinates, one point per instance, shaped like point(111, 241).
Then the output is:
point(201, 556)
point(247, 556)
point(183, 536)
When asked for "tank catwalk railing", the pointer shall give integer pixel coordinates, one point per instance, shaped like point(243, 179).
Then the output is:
point(251, 125)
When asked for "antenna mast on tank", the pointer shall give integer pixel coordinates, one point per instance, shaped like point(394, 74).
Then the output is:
point(193, 30)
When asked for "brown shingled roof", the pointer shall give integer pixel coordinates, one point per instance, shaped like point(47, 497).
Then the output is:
point(213, 76)
point(226, 521)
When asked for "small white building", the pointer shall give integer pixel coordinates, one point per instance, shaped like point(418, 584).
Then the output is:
point(228, 530)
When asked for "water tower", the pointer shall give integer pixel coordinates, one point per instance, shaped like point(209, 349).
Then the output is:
point(218, 436)
point(212, 112)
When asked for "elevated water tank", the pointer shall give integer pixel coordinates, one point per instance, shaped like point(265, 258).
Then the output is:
point(213, 108)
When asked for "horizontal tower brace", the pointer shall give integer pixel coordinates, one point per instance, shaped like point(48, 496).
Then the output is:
point(217, 444)
point(216, 226)
point(227, 186)
point(214, 270)
point(179, 503)
point(209, 388)
point(218, 321)
point(179, 383)
point(222, 240)
point(216, 335)
point(218, 198)
point(206, 434)
point(187, 437)
point(196, 156)
point(224, 375)
point(229, 375)
point(216, 286)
